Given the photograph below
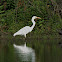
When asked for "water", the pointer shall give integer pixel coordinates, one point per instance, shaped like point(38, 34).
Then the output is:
point(24, 53)
point(34, 50)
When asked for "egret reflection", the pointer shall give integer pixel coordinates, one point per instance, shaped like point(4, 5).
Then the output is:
point(24, 53)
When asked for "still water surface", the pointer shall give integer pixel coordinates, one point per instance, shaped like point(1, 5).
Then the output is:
point(34, 50)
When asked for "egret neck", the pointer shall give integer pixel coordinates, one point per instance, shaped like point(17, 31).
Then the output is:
point(33, 24)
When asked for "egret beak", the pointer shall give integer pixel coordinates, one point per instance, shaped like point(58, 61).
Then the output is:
point(38, 17)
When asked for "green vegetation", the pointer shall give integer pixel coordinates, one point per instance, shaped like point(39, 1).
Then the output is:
point(16, 14)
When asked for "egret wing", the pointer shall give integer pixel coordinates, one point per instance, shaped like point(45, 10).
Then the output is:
point(24, 30)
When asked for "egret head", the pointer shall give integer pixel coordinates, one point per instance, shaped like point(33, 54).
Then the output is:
point(35, 17)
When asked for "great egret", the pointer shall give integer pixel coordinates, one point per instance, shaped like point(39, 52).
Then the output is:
point(25, 30)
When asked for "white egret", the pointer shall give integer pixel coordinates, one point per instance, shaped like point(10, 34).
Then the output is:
point(25, 30)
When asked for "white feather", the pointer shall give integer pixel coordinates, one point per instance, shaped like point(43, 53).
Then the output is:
point(25, 30)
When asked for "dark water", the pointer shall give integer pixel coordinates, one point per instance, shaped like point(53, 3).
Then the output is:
point(42, 50)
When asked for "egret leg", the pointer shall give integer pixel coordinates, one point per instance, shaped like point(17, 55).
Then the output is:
point(25, 35)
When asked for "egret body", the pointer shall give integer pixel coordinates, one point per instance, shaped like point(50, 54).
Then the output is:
point(25, 30)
